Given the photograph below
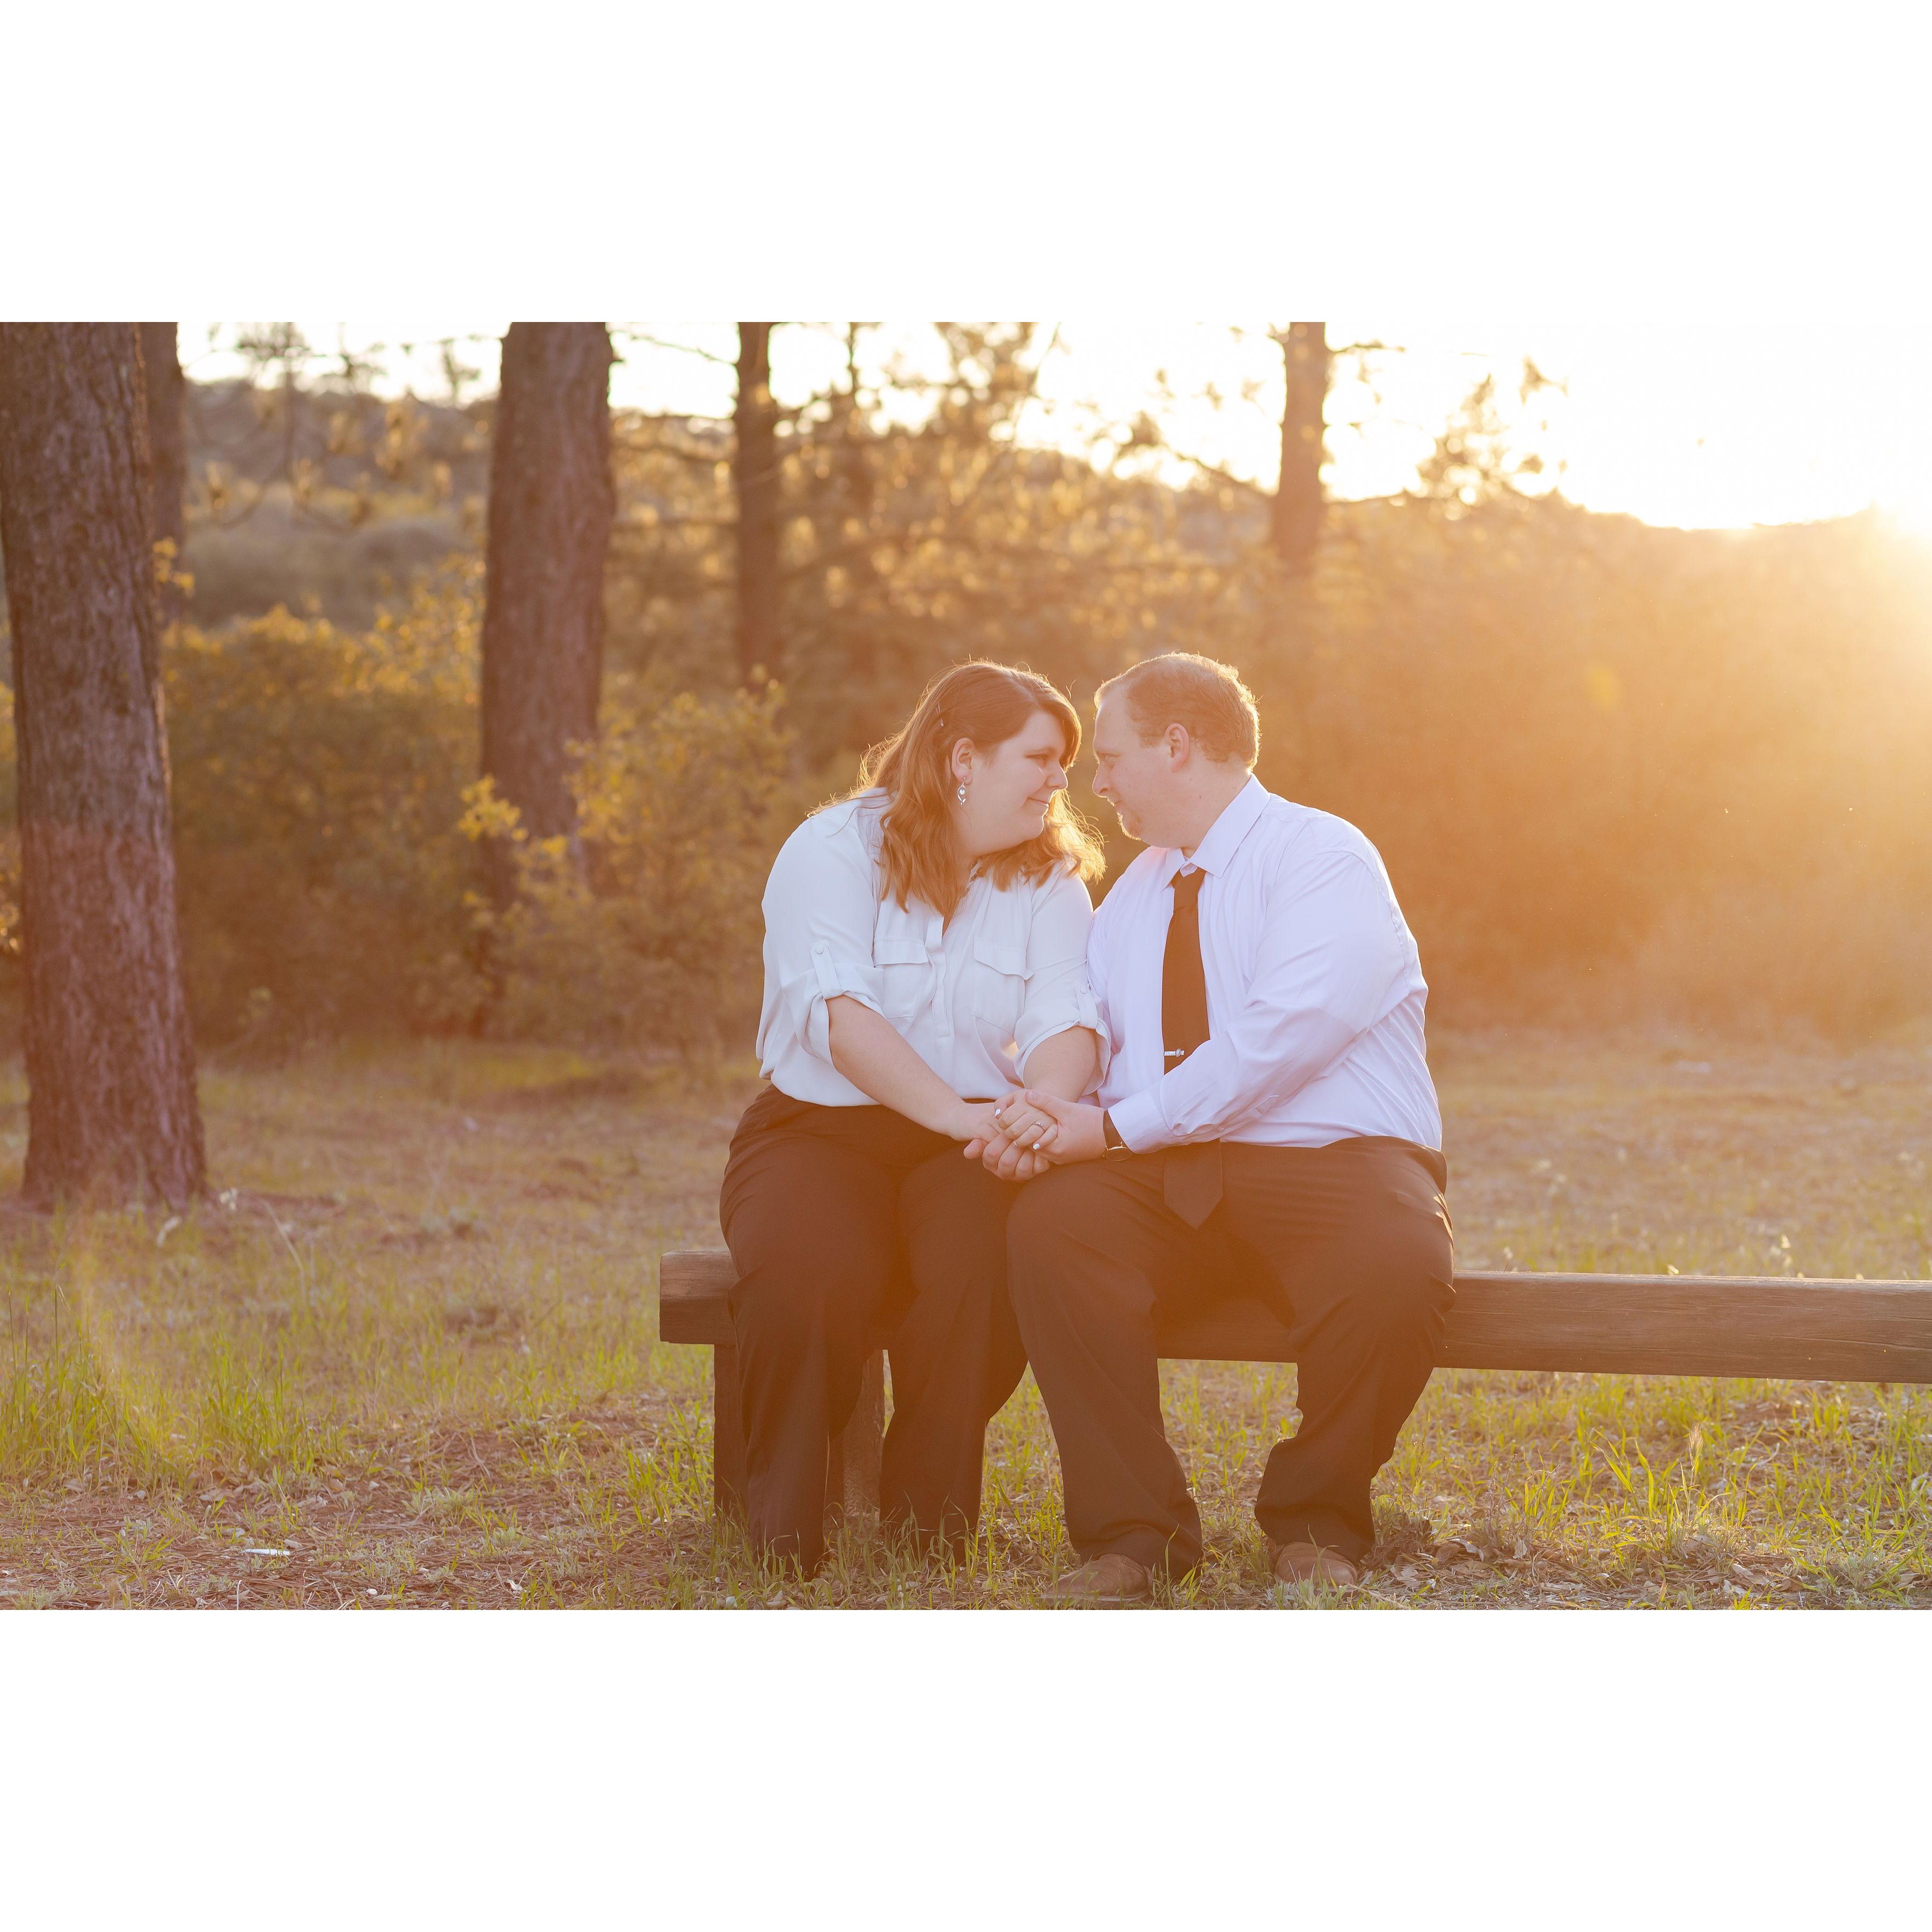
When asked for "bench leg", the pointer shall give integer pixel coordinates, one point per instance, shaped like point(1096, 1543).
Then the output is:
point(727, 1435)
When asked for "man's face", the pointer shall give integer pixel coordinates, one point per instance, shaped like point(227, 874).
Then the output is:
point(1138, 780)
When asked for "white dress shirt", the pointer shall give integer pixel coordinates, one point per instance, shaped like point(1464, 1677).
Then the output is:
point(974, 998)
point(1314, 991)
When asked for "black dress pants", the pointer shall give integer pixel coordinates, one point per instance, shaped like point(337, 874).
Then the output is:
point(852, 1226)
point(1350, 1244)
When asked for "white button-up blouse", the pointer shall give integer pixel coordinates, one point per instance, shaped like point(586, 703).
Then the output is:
point(973, 997)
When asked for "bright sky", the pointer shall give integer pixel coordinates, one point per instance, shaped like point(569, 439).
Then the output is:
point(1676, 424)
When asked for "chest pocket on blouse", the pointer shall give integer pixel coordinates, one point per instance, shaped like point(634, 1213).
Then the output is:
point(906, 971)
point(999, 976)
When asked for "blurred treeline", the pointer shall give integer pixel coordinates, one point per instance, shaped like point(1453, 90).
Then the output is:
point(1614, 770)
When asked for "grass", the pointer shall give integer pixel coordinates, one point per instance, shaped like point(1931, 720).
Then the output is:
point(408, 1353)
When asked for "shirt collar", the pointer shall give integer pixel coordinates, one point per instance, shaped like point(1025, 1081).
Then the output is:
point(1238, 817)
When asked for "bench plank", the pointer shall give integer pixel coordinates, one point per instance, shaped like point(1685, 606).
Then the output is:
point(1603, 1323)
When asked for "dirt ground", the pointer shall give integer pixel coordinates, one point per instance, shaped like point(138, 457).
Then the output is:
point(407, 1354)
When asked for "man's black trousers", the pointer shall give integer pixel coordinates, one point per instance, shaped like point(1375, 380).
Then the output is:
point(1349, 1243)
point(851, 1226)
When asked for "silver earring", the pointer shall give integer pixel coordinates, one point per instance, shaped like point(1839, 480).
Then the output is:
point(960, 793)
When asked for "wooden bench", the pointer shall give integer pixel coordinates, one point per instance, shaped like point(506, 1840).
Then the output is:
point(1631, 1324)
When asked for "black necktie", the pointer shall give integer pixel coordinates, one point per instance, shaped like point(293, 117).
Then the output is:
point(1191, 1180)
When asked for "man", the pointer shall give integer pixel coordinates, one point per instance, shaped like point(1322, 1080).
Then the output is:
point(1266, 1125)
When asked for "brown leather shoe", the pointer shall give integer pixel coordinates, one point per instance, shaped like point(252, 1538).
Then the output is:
point(1300, 1565)
point(1107, 1582)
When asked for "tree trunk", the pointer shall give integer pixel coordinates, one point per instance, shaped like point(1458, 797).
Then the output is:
point(551, 504)
point(167, 451)
point(755, 475)
point(110, 1059)
point(1295, 527)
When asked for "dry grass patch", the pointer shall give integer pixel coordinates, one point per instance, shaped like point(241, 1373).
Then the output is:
point(408, 1354)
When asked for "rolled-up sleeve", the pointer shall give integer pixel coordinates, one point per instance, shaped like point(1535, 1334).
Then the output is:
point(1328, 971)
point(1059, 995)
point(820, 907)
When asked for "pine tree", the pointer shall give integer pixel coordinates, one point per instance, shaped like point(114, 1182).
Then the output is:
point(111, 1107)
point(551, 504)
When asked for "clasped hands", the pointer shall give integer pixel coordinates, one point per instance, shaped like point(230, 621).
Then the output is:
point(1033, 1131)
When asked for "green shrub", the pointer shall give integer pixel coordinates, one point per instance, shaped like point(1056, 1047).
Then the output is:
point(326, 822)
point(645, 931)
point(319, 776)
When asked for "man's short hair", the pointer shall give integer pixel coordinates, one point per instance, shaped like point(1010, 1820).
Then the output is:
point(1208, 698)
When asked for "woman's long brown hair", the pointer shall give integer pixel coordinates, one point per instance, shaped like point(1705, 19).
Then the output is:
point(987, 703)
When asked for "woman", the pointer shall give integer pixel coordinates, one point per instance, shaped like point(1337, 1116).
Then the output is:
point(925, 942)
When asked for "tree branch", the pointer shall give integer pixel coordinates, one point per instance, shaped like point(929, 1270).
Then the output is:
point(1257, 490)
point(683, 348)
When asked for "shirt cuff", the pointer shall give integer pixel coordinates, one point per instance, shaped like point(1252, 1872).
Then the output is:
point(1139, 1122)
point(835, 980)
point(1075, 1007)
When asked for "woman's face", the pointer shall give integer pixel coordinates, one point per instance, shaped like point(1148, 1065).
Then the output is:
point(1008, 788)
